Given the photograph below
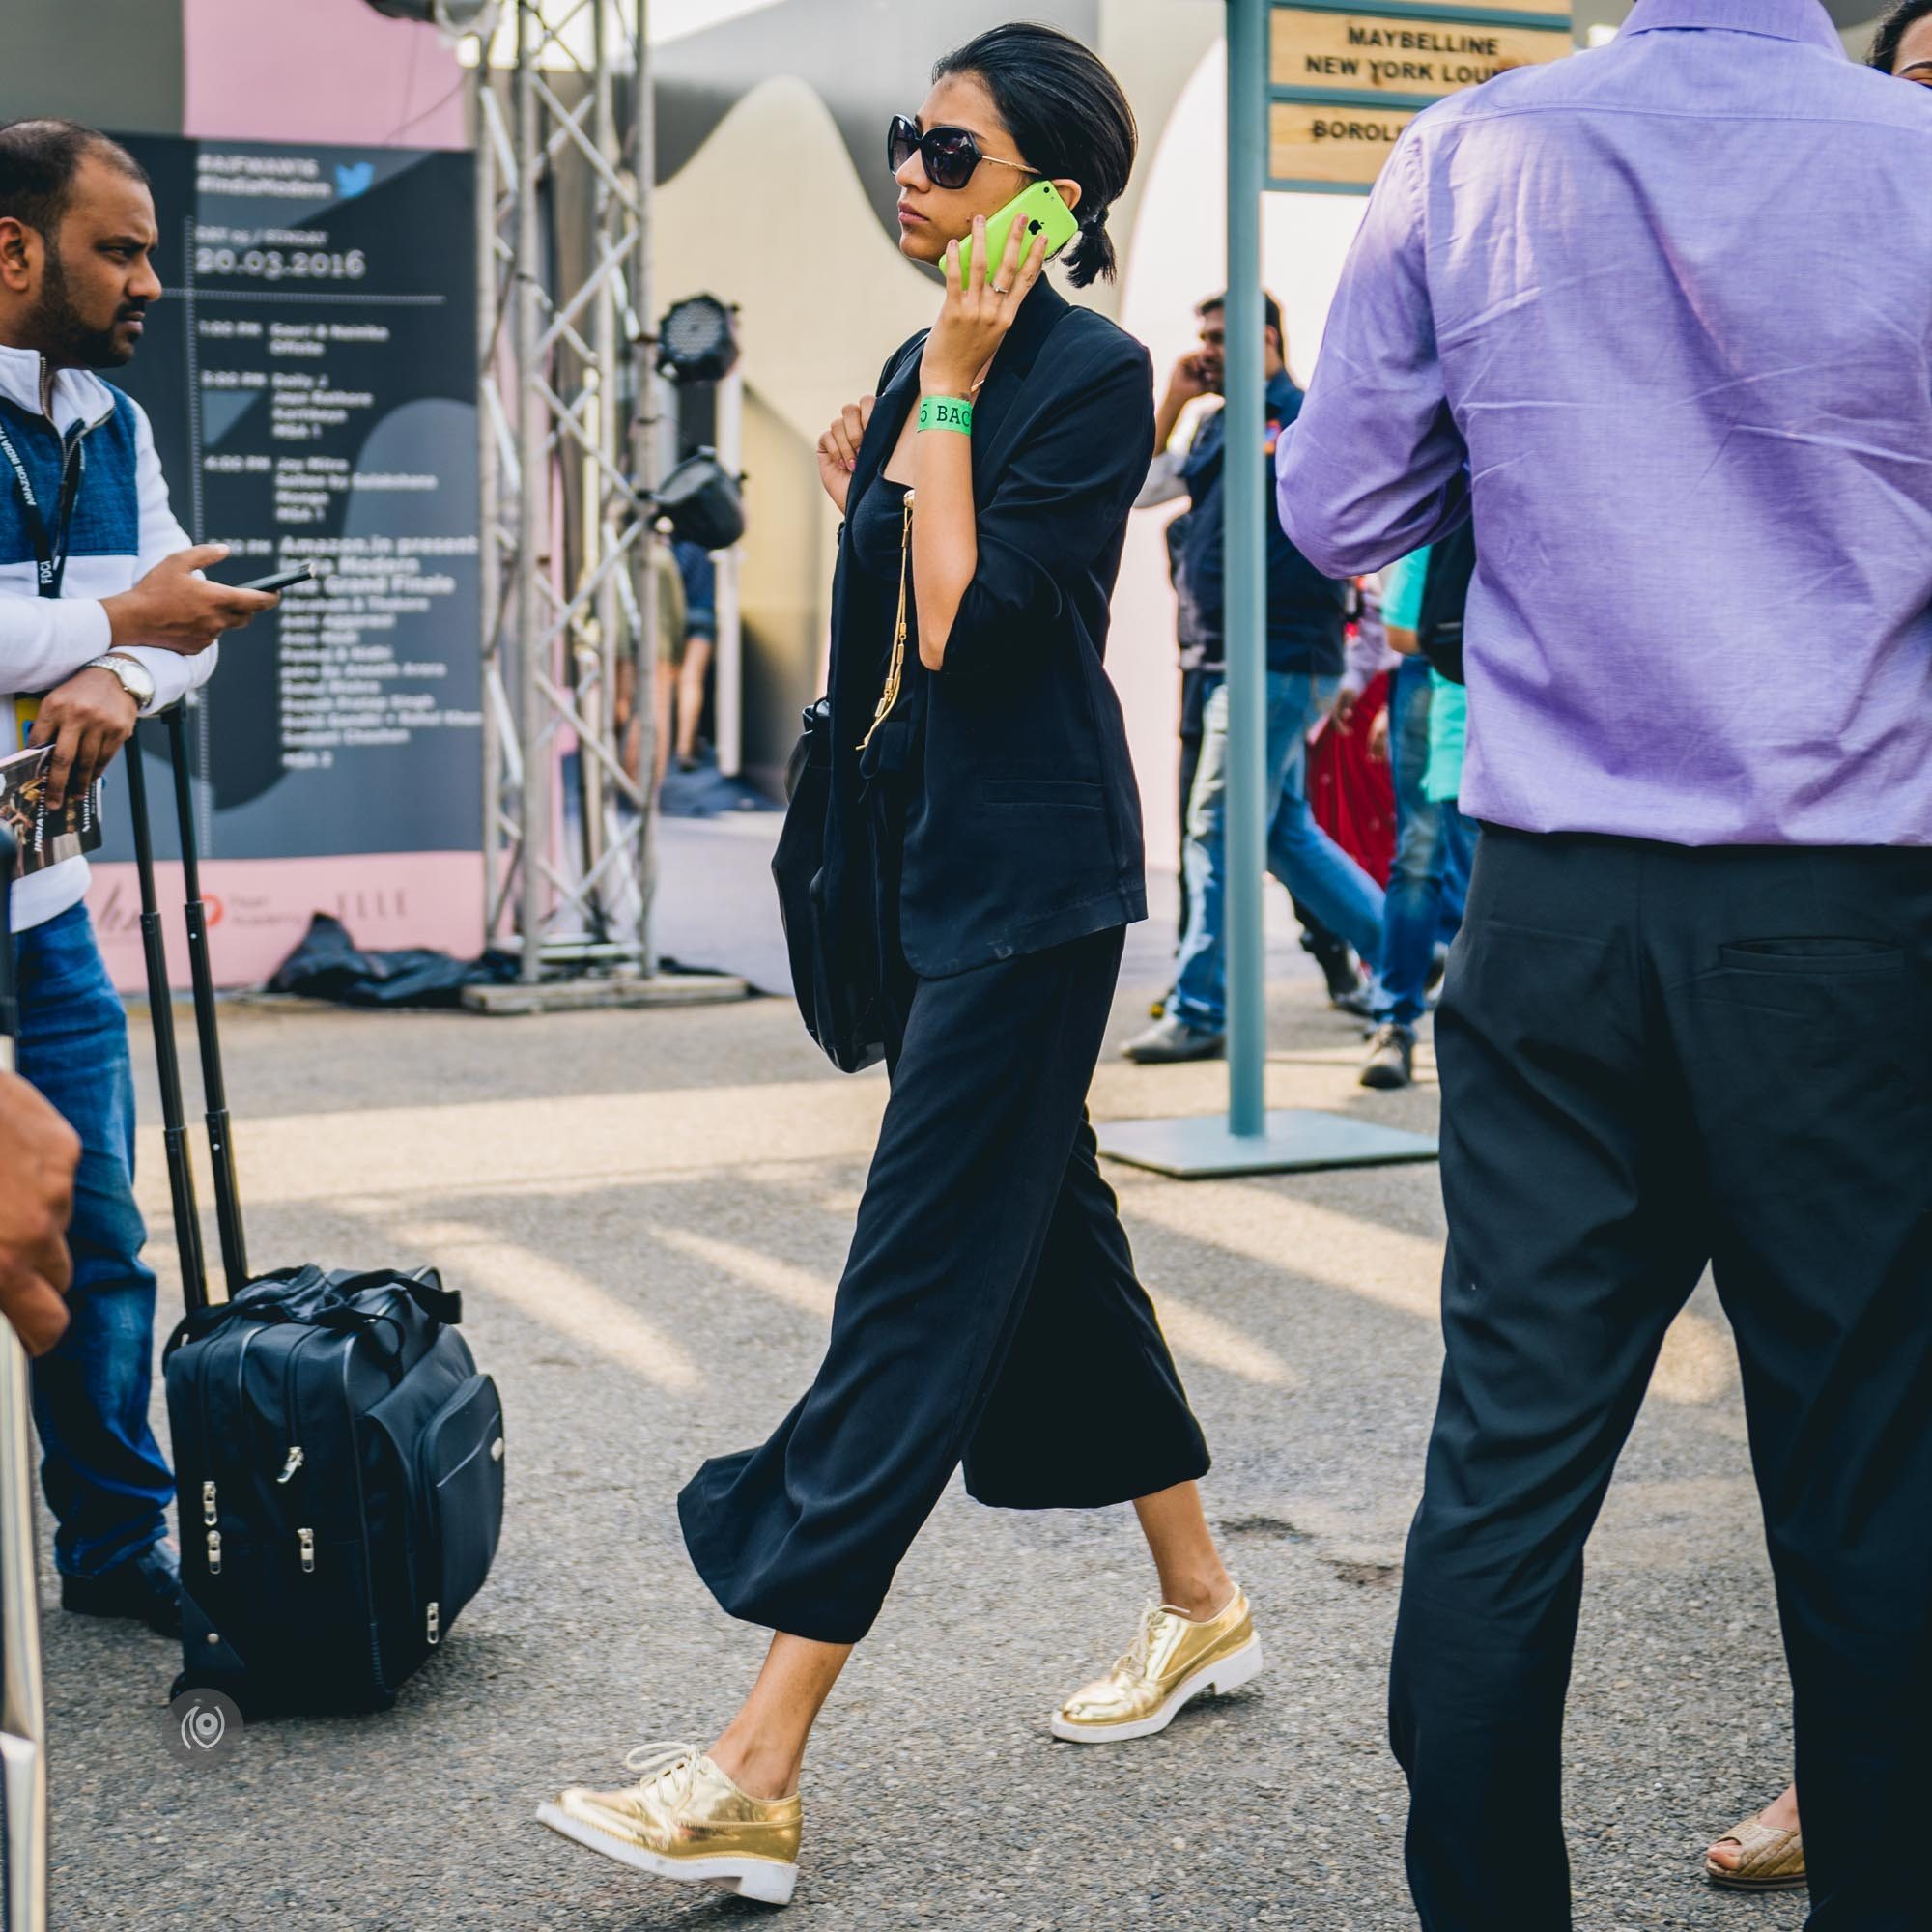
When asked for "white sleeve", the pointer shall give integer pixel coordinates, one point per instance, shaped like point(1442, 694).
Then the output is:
point(161, 535)
point(1165, 480)
point(43, 641)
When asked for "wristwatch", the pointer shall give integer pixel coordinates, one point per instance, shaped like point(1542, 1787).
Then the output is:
point(135, 679)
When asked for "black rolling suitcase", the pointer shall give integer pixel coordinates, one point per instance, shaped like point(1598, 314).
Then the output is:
point(339, 1460)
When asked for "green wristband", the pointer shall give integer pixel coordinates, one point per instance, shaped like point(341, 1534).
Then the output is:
point(946, 412)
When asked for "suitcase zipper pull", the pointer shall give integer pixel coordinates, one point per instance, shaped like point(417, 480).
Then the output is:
point(434, 1623)
point(209, 1514)
point(307, 1537)
point(296, 1459)
point(215, 1552)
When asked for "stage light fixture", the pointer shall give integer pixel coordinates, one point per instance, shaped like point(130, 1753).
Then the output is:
point(697, 340)
point(702, 502)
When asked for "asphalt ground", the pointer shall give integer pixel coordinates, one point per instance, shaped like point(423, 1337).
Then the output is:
point(646, 1214)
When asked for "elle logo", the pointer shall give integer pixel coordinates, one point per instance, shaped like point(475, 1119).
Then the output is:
point(367, 905)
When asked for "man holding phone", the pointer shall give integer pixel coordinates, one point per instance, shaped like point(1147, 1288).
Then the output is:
point(1305, 627)
point(101, 610)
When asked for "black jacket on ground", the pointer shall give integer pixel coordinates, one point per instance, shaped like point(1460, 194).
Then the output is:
point(1024, 829)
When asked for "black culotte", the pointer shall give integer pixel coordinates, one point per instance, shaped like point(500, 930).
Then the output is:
point(989, 1314)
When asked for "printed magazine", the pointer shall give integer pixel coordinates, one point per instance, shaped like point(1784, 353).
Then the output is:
point(45, 838)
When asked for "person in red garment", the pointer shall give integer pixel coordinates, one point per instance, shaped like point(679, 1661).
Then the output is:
point(1348, 788)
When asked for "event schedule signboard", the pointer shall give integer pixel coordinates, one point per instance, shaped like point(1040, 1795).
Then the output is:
point(1346, 80)
point(310, 374)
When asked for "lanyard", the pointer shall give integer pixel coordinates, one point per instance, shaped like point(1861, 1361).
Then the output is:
point(49, 550)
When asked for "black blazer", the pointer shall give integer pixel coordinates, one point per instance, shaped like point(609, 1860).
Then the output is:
point(1025, 831)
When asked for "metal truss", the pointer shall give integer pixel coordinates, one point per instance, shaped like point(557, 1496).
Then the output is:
point(564, 160)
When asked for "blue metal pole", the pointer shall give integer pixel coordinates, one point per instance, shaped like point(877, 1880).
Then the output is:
point(1247, 570)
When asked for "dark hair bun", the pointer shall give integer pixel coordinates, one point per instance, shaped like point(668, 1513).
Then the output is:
point(1091, 258)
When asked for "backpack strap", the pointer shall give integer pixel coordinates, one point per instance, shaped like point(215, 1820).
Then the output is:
point(439, 1303)
point(424, 1285)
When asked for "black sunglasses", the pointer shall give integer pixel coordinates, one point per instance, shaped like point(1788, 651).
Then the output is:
point(950, 154)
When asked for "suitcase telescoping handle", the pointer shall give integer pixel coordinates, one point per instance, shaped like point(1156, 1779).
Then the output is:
point(23, 1756)
point(174, 1119)
point(201, 971)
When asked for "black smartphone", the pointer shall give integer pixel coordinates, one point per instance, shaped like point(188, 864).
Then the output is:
point(280, 580)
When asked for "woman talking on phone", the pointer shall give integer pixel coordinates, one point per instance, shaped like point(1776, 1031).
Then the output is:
point(983, 837)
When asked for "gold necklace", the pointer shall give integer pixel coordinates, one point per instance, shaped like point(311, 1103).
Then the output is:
point(895, 669)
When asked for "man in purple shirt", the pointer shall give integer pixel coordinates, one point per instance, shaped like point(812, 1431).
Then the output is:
point(1659, 317)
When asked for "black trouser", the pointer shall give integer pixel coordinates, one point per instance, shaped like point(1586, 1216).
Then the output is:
point(989, 1313)
point(1653, 1056)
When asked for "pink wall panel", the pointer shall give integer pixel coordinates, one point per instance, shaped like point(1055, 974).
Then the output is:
point(259, 908)
point(317, 71)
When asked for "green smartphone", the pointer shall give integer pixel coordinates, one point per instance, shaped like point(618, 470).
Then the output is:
point(1039, 207)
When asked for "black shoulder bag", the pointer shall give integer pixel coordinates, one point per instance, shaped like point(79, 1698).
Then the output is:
point(835, 978)
point(1445, 596)
point(833, 982)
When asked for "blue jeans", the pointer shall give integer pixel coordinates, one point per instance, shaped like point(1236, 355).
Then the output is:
point(1315, 869)
point(1433, 847)
point(105, 1478)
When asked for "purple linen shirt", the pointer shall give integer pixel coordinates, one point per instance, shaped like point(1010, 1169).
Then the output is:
point(1661, 313)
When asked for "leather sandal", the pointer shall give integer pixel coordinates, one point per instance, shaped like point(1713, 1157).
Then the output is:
point(1768, 1861)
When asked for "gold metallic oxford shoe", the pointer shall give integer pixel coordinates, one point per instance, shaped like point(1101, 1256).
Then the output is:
point(685, 1819)
point(1173, 1659)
